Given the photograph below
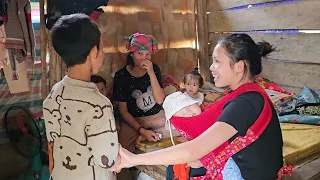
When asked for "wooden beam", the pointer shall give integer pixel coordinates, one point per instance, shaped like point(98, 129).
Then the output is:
point(52, 64)
point(291, 76)
point(56, 65)
point(296, 75)
point(302, 48)
point(202, 31)
point(296, 15)
point(43, 51)
point(226, 4)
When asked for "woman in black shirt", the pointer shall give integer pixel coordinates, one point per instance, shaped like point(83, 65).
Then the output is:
point(258, 154)
point(138, 92)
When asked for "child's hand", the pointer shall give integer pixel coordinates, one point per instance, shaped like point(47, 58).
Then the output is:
point(146, 64)
point(126, 157)
point(195, 164)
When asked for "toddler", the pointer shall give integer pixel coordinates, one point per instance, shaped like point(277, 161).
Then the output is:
point(193, 81)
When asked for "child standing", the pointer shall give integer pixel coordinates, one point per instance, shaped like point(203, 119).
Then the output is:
point(80, 126)
point(193, 81)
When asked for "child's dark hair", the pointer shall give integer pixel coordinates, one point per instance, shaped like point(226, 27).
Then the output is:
point(97, 79)
point(73, 37)
point(242, 47)
point(195, 73)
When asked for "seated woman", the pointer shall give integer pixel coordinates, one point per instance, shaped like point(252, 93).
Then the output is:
point(139, 94)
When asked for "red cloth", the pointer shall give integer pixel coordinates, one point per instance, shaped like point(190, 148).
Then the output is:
point(168, 80)
point(94, 15)
point(181, 171)
point(267, 84)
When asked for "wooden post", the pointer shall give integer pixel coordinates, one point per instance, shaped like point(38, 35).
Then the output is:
point(43, 52)
point(202, 31)
point(59, 69)
point(55, 64)
point(52, 64)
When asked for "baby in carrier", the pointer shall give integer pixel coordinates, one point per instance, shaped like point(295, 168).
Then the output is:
point(179, 104)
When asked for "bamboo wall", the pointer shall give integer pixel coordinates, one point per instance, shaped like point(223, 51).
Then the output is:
point(281, 23)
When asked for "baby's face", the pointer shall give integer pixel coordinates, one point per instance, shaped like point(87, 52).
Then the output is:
point(189, 111)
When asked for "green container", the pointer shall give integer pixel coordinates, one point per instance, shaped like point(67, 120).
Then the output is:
point(41, 125)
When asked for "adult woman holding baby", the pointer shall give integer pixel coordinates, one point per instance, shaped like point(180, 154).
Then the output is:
point(139, 95)
point(242, 125)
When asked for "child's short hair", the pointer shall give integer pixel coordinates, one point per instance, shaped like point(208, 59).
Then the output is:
point(97, 79)
point(194, 74)
point(73, 37)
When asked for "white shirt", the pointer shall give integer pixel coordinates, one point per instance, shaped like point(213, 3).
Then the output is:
point(200, 98)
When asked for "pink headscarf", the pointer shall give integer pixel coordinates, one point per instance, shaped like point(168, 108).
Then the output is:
point(138, 42)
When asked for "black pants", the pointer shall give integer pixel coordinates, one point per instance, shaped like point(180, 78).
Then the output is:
point(194, 172)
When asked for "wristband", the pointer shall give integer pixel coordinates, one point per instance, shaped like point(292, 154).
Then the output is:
point(139, 129)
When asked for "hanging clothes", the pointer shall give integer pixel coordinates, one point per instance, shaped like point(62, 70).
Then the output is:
point(3, 51)
point(20, 40)
point(15, 86)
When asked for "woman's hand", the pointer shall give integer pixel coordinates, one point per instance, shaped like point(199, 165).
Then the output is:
point(195, 164)
point(146, 64)
point(126, 158)
point(150, 135)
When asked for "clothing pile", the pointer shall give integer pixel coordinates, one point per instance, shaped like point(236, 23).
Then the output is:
point(291, 108)
point(302, 109)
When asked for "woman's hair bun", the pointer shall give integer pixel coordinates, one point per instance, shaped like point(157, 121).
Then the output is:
point(265, 48)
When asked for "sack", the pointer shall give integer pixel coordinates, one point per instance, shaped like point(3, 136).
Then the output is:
point(57, 8)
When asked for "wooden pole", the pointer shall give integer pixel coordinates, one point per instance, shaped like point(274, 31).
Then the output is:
point(55, 64)
point(202, 31)
point(43, 52)
point(52, 64)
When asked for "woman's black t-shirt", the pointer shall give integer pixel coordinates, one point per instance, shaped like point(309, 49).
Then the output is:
point(263, 158)
point(136, 92)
